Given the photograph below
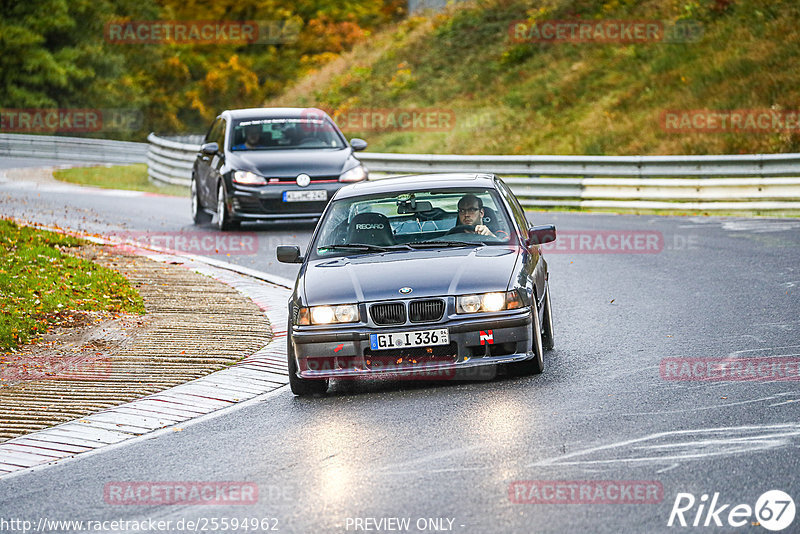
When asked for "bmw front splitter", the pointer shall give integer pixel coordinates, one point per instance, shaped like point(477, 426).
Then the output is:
point(474, 343)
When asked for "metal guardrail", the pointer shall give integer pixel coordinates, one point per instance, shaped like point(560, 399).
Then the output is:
point(170, 161)
point(760, 182)
point(618, 166)
point(71, 149)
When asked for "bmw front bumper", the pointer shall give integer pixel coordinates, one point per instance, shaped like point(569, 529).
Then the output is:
point(475, 341)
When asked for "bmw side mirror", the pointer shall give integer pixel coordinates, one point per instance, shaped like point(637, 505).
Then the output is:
point(539, 235)
point(289, 254)
point(209, 149)
point(358, 144)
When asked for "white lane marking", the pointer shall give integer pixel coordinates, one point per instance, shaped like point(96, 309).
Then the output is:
point(668, 468)
point(721, 442)
point(792, 350)
point(689, 445)
point(705, 408)
point(784, 402)
point(435, 456)
point(69, 188)
point(754, 225)
point(760, 225)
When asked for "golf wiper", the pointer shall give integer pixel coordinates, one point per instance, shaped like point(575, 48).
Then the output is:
point(437, 244)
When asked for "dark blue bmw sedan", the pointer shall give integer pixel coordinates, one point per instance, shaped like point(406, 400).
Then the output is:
point(419, 277)
point(271, 163)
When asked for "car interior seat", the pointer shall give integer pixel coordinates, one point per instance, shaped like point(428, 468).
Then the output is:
point(370, 229)
point(490, 219)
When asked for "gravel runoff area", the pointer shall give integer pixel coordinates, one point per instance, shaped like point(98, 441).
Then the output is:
point(194, 325)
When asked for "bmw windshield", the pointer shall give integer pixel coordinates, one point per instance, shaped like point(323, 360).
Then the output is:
point(407, 221)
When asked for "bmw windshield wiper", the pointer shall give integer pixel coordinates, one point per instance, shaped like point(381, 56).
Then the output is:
point(365, 248)
point(437, 244)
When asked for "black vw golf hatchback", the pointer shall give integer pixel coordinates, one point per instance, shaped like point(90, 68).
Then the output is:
point(271, 163)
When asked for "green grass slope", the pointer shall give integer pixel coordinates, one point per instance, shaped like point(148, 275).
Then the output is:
point(570, 98)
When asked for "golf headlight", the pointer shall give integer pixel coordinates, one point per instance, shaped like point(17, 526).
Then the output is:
point(342, 313)
point(248, 178)
point(356, 174)
point(488, 302)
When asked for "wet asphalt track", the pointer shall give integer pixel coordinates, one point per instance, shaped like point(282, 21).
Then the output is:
point(602, 411)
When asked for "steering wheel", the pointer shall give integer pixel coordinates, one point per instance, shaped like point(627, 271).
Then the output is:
point(461, 229)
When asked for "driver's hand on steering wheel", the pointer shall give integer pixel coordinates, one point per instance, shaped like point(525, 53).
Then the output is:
point(483, 230)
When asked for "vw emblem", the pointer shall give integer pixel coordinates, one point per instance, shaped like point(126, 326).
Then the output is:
point(405, 290)
point(303, 180)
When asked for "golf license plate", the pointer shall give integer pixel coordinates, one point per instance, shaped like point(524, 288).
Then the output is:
point(313, 195)
point(419, 338)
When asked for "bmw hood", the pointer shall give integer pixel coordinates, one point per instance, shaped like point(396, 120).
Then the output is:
point(290, 163)
point(439, 272)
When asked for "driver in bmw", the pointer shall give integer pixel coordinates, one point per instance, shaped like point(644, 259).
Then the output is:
point(470, 213)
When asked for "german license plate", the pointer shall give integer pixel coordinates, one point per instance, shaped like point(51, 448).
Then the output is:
point(313, 195)
point(419, 338)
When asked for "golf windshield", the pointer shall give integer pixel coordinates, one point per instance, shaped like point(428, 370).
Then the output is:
point(285, 134)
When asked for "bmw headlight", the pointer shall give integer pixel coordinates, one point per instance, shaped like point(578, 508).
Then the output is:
point(356, 174)
point(341, 313)
point(488, 302)
point(248, 178)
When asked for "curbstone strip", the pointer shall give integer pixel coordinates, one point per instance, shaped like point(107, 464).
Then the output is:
point(255, 375)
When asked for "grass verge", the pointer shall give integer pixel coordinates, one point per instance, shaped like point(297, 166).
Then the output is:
point(39, 282)
point(512, 97)
point(129, 177)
